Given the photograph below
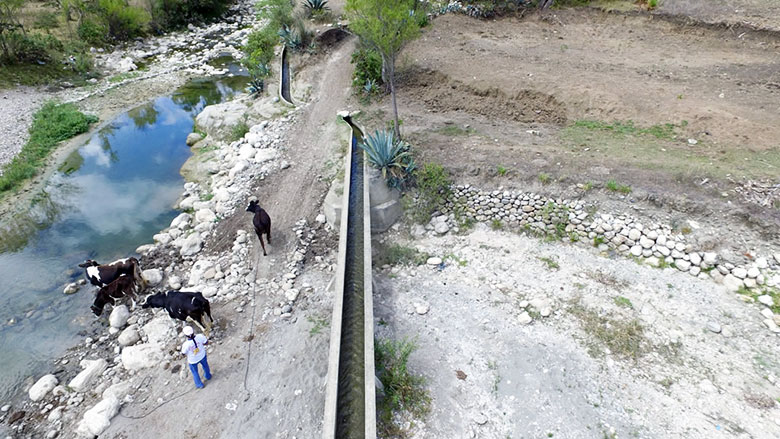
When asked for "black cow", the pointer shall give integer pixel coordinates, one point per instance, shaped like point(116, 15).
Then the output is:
point(261, 221)
point(123, 286)
point(102, 275)
point(184, 306)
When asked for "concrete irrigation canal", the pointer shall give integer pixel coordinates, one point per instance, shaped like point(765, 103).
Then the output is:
point(350, 404)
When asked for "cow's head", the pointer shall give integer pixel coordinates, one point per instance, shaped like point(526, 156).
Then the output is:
point(88, 263)
point(156, 300)
point(98, 310)
point(252, 206)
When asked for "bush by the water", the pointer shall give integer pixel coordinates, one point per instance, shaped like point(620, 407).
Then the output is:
point(52, 124)
point(175, 14)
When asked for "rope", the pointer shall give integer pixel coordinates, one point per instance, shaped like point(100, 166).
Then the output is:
point(154, 409)
point(252, 322)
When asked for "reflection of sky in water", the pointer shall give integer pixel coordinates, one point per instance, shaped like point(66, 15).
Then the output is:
point(121, 195)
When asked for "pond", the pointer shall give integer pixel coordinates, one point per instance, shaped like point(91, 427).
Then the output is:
point(108, 197)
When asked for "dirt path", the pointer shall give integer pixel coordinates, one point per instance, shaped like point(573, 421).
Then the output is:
point(286, 377)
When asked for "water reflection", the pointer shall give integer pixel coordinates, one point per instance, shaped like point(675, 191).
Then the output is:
point(110, 196)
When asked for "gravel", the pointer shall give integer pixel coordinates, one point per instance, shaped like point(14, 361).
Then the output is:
point(18, 107)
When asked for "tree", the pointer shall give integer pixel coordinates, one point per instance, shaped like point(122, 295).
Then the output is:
point(385, 26)
point(9, 22)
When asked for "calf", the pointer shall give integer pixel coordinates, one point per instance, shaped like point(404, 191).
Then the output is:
point(102, 275)
point(261, 221)
point(184, 306)
point(122, 287)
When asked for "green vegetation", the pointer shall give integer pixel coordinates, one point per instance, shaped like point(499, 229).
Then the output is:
point(397, 254)
point(624, 338)
point(433, 183)
point(502, 171)
point(405, 395)
point(623, 302)
point(544, 178)
point(259, 51)
point(318, 324)
point(453, 130)
point(385, 26)
point(496, 224)
point(666, 131)
point(587, 186)
point(614, 186)
point(392, 157)
point(238, 131)
point(317, 10)
point(52, 124)
point(123, 76)
point(753, 293)
point(551, 263)
point(367, 77)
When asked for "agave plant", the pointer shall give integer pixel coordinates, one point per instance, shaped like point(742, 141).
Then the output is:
point(370, 87)
point(258, 74)
point(391, 157)
point(316, 5)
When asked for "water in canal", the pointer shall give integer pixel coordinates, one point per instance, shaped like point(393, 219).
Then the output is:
point(109, 197)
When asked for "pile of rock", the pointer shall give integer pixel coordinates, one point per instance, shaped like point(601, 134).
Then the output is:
point(656, 244)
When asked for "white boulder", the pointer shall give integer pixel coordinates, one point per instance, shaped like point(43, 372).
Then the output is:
point(42, 387)
point(98, 418)
point(119, 316)
point(191, 245)
point(91, 369)
point(153, 276)
point(205, 216)
point(141, 356)
point(129, 336)
point(160, 329)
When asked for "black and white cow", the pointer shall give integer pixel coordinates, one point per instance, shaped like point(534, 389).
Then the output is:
point(123, 286)
point(102, 275)
point(185, 306)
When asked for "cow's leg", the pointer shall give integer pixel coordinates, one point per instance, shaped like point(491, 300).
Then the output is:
point(260, 235)
point(207, 329)
point(197, 323)
point(268, 231)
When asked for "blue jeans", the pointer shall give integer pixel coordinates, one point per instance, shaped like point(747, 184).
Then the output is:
point(206, 372)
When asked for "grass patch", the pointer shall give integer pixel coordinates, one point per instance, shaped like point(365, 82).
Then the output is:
point(614, 186)
point(666, 131)
point(397, 254)
point(623, 302)
point(433, 183)
point(624, 338)
point(502, 171)
point(455, 130)
point(318, 324)
point(52, 124)
point(774, 293)
point(123, 76)
point(405, 395)
point(544, 178)
point(551, 263)
point(238, 131)
point(496, 224)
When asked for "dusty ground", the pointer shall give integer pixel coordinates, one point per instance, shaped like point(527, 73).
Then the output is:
point(548, 73)
point(555, 377)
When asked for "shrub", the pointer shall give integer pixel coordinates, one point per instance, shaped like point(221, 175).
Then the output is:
point(433, 182)
point(259, 49)
point(174, 14)
point(92, 32)
point(52, 124)
point(297, 37)
point(368, 68)
point(238, 131)
point(390, 156)
point(315, 5)
point(277, 12)
point(404, 392)
point(30, 48)
point(123, 22)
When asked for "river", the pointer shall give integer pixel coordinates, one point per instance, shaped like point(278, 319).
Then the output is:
point(108, 197)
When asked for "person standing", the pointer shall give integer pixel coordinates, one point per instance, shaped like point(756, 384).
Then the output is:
point(195, 350)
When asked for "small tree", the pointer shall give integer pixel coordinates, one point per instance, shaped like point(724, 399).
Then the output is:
point(385, 25)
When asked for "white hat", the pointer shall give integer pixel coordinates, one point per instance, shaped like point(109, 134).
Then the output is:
point(188, 331)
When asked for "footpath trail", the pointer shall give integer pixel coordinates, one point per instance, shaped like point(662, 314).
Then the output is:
point(286, 377)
